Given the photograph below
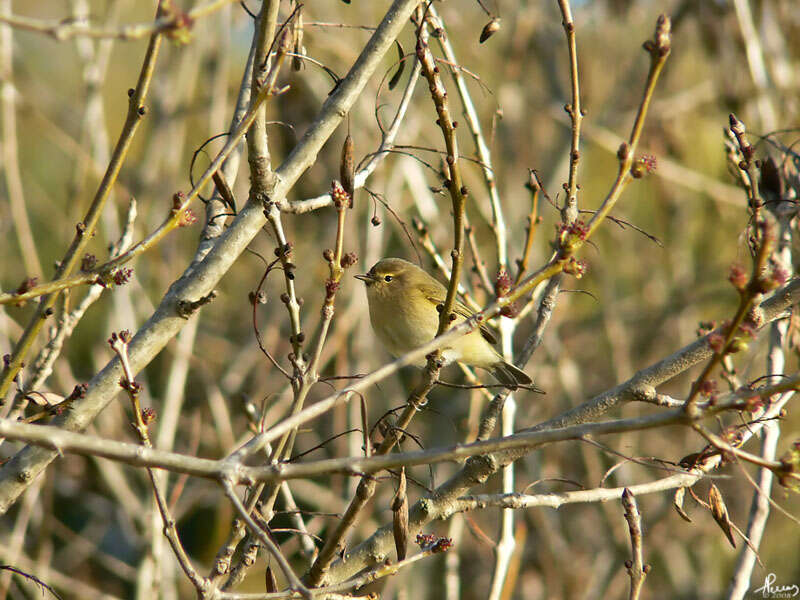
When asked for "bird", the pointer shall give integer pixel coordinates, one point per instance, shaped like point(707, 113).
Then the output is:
point(404, 306)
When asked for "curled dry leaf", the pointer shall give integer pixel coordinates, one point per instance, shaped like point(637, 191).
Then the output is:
point(720, 513)
point(400, 517)
point(678, 504)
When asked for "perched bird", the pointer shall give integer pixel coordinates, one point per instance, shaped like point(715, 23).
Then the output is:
point(403, 301)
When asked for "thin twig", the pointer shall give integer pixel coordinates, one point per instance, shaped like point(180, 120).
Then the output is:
point(266, 540)
point(637, 570)
point(375, 158)
point(119, 343)
point(575, 111)
point(481, 148)
point(179, 216)
point(776, 360)
point(10, 154)
point(65, 29)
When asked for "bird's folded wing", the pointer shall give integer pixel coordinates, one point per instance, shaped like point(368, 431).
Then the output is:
point(437, 298)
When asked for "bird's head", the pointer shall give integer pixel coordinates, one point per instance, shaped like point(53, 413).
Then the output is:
point(392, 276)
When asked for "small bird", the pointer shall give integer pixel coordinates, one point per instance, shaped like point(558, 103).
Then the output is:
point(404, 305)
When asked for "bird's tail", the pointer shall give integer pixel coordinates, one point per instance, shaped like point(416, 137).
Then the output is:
point(510, 376)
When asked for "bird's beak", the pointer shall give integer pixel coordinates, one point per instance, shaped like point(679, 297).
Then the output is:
point(365, 278)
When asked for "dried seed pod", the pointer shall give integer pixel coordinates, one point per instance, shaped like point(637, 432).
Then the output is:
point(298, 48)
point(365, 428)
point(771, 182)
point(347, 168)
point(720, 513)
point(270, 582)
point(490, 29)
point(400, 67)
point(400, 517)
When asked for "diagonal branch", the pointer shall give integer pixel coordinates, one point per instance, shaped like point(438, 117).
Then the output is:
point(17, 473)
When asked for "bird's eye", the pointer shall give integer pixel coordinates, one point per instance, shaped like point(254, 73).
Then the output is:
point(388, 278)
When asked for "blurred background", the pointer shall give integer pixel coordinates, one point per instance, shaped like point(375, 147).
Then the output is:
point(86, 528)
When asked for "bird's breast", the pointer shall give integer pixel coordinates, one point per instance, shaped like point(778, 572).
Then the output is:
point(400, 327)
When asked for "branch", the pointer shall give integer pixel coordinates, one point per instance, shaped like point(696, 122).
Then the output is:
point(418, 397)
point(264, 74)
point(476, 470)
point(17, 473)
point(637, 570)
point(458, 192)
point(179, 214)
point(776, 362)
point(272, 547)
point(659, 48)
point(643, 383)
point(141, 422)
point(482, 150)
point(558, 499)
point(172, 23)
point(575, 111)
point(234, 469)
point(45, 359)
point(387, 143)
point(85, 229)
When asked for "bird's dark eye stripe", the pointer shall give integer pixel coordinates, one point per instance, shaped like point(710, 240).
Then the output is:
point(388, 278)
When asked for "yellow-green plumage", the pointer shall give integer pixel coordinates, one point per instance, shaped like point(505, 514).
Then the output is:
point(403, 302)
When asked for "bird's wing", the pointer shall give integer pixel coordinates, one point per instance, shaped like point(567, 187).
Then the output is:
point(436, 297)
